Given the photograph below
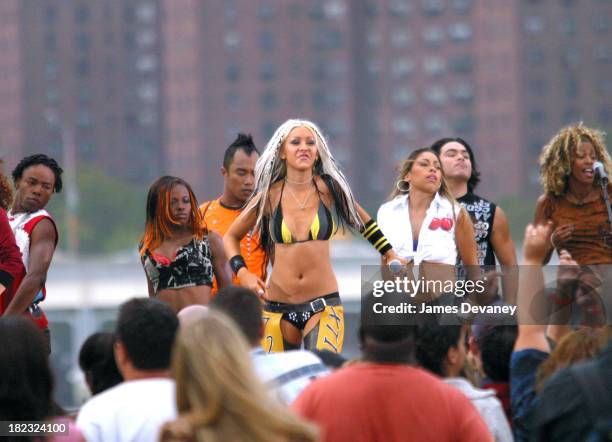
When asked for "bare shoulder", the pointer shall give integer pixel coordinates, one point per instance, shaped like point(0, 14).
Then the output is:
point(543, 208)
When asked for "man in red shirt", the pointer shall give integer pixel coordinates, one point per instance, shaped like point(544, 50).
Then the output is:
point(11, 267)
point(386, 398)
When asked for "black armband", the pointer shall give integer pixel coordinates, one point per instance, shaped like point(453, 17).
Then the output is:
point(373, 234)
point(236, 263)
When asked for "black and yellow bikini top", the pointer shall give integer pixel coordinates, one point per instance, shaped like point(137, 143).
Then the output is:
point(322, 226)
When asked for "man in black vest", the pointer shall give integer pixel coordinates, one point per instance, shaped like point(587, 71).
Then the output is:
point(490, 223)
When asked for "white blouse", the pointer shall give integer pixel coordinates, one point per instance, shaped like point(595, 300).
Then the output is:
point(436, 238)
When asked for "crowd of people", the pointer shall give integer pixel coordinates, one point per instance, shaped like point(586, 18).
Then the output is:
point(241, 336)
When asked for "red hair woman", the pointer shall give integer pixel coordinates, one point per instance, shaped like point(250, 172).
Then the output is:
point(178, 253)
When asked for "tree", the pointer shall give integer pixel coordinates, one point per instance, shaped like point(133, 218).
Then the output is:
point(111, 212)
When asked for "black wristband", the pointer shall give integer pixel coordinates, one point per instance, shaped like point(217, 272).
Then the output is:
point(236, 263)
point(374, 235)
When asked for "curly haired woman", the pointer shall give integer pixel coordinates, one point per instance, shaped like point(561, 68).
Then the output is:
point(572, 198)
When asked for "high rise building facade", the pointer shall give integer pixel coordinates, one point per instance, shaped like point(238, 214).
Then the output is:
point(145, 87)
point(86, 73)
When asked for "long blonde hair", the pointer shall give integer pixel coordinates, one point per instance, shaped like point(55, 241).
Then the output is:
point(270, 168)
point(219, 397)
point(556, 156)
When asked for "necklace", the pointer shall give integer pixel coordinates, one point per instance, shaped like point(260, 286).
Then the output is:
point(301, 205)
point(298, 182)
point(580, 201)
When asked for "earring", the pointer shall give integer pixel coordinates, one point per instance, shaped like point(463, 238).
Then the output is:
point(401, 188)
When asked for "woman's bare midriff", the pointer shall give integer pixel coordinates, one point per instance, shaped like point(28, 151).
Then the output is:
point(178, 299)
point(301, 272)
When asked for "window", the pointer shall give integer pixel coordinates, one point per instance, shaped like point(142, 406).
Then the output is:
point(433, 35)
point(537, 87)
point(145, 13)
point(232, 98)
point(267, 129)
point(334, 9)
point(83, 41)
point(461, 6)
point(85, 119)
point(266, 41)
point(434, 66)
point(436, 124)
point(435, 95)
point(403, 97)
point(266, 11)
point(146, 38)
point(147, 118)
point(87, 147)
point(601, 23)
point(605, 115)
point(85, 95)
point(404, 126)
point(52, 118)
point(399, 8)
point(401, 67)
point(537, 117)
point(267, 71)
point(461, 63)
point(572, 88)
point(328, 99)
point(570, 115)
point(268, 100)
point(232, 73)
point(432, 7)
point(83, 68)
point(567, 26)
point(328, 70)
point(146, 63)
point(373, 39)
point(316, 11)
point(52, 96)
point(147, 92)
point(464, 125)
point(374, 67)
point(82, 14)
point(50, 14)
point(603, 54)
point(463, 93)
point(232, 40)
point(571, 57)
point(400, 38)
point(294, 11)
point(535, 56)
point(326, 39)
point(605, 87)
point(372, 9)
point(533, 24)
point(50, 42)
point(460, 32)
point(336, 128)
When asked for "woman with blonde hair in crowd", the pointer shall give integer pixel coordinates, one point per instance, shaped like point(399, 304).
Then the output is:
point(219, 397)
point(576, 346)
point(300, 197)
point(572, 199)
point(178, 253)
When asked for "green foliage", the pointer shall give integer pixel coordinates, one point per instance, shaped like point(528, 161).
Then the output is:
point(111, 213)
point(520, 212)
